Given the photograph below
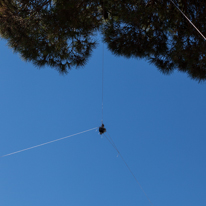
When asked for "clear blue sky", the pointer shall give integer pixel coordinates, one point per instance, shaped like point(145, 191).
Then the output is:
point(156, 121)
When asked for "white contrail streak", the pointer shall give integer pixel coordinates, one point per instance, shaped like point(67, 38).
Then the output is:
point(39, 145)
point(188, 20)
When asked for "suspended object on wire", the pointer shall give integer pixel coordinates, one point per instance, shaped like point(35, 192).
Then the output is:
point(102, 129)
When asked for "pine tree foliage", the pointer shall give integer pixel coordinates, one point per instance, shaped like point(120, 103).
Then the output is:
point(62, 33)
point(157, 31)
point(55, 33)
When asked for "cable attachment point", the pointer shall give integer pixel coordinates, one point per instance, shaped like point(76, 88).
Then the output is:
point(102, 129)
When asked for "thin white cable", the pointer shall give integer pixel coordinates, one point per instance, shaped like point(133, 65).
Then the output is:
point(103, 64)
point(115, 147)
point(39, 145)
point(102, 80)
point(188, 20)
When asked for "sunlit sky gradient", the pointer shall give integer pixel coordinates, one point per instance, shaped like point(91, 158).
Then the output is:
point(156, 121)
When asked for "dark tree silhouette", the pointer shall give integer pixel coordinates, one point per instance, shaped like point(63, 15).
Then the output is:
point(157, 31)
point(55, 33)
point(61, 33)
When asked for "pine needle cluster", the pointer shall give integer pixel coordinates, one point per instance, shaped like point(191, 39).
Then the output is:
point(62, 33)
